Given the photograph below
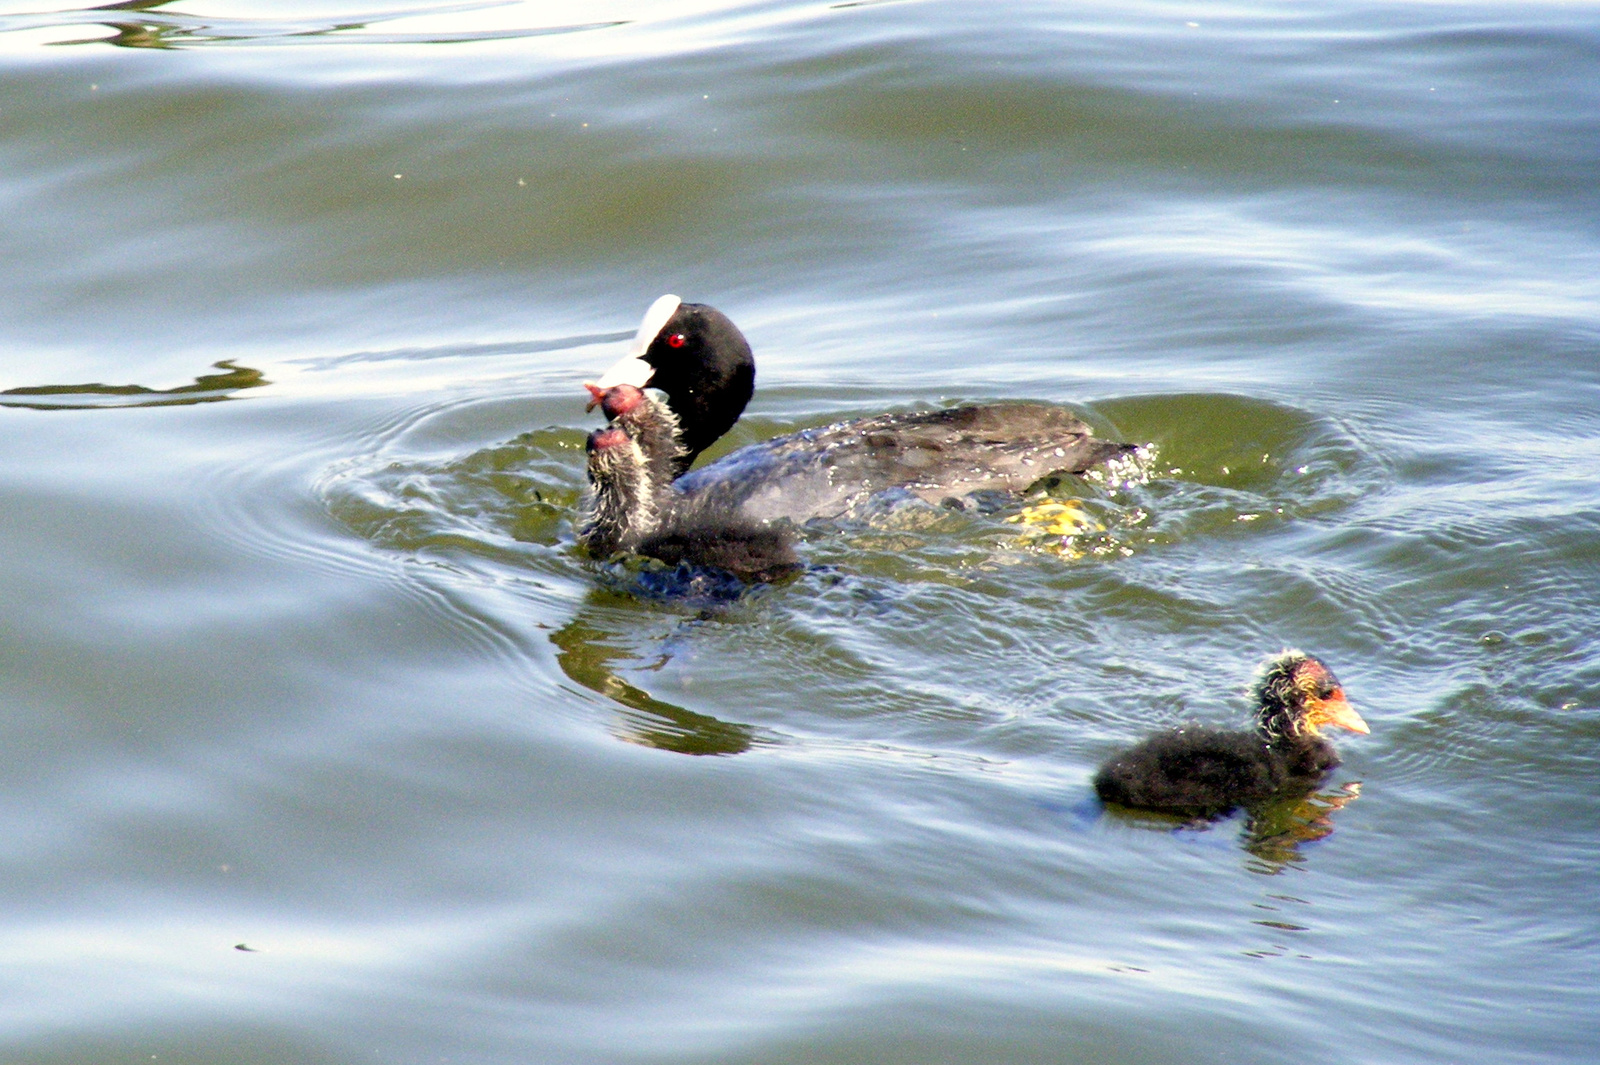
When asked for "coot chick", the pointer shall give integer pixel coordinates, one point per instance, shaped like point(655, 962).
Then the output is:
point(648, 421)
point(1204, 773)
point(697, 358)
point(632, 510)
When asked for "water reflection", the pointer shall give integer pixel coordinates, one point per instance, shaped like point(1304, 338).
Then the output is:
point(176, 29)
point(587, 654)
point(130, 34)
point(207, 388)
point(1272, 832)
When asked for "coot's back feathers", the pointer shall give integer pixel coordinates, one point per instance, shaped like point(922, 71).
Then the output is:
point(933, 455)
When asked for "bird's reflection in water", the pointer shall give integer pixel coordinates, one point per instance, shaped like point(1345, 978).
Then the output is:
point(146, 24)
point(206, 388)
point(589, 655)
point(166, 31)
point(179, 29)
point(1273, 833)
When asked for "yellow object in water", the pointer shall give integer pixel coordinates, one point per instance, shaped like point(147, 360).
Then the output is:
point(1055, 518)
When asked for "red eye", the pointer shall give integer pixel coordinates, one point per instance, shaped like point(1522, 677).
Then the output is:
point(677, 340)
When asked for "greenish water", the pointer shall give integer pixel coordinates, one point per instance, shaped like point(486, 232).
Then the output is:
point(321, 743)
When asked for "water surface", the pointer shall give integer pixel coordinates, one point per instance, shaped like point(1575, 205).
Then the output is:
point(322, 743)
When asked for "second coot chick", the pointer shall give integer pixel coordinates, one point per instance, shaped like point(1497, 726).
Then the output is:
point(634, 509)
point(1205, 773)
point(700, 361)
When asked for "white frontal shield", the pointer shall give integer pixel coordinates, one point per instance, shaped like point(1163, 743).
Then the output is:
point(631, 369)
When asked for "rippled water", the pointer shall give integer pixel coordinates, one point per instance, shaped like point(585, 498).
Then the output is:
point(322, 744)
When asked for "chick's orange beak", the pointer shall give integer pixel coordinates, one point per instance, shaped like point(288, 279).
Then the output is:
point(596, 394)
point(1336, 710)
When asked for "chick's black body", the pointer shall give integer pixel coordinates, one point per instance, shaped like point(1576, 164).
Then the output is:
point(1201, 772)
point(1204, 773)
point(754, 554)
point(634, 509)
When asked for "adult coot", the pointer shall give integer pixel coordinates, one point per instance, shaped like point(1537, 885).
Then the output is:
point(1204, 773)
point(697, 358)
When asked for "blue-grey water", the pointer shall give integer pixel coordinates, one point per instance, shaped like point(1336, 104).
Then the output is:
point(322, 744)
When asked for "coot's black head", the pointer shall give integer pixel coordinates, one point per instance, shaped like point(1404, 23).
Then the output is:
point(698, 358)
point(1296, 695)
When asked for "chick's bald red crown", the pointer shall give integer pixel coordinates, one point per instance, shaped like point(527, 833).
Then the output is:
point(607, 438)
point(620, 399)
